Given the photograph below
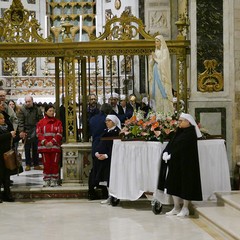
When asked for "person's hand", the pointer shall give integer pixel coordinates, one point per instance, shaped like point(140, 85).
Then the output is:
point(101, 157)
point(97, 154)
point(154, 56)
point(166, 156)
point(13, 133)
point(23, 135)
point(49, 144)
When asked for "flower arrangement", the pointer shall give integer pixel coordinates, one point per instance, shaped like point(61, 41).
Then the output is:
point(155, 127)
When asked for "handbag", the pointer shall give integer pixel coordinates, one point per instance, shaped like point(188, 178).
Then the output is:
point(10, 159)
point(19, 168)
point(13, 161)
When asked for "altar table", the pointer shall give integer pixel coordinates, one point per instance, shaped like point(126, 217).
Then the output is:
point(135, 167)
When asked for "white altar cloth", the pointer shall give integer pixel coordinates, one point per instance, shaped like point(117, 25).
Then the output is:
point(135, 168)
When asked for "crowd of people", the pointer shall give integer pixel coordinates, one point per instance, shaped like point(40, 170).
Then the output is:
point(41, 132)
point(179, 174)
point(102, 120)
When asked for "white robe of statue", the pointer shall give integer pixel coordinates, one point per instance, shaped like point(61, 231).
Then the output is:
point(160, 84)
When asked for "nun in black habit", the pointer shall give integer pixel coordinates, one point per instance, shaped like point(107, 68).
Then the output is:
point(180, 172)
point(103, 152)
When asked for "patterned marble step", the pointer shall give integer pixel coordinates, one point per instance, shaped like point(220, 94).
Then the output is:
point(222, 218)
point(38, 192)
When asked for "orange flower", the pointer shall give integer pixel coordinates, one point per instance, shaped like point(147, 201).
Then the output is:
point(140, 122)
point(154, 126)
point(144, 125)
point(133, 118)
point(153, 118)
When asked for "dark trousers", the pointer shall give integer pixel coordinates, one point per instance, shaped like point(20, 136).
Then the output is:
point(93, 183)
point(5, 182)
point(31, 152)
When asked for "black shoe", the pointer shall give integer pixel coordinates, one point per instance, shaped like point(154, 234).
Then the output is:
point(114, 201)
point(104, 192)
point(92, 195)
point(8, 198)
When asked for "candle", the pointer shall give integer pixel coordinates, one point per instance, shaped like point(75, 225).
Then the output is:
point(30, 29)
point(80, 28)
point(46, 27)
point(96, 24)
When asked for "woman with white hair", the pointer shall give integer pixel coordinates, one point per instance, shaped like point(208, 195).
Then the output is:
point(103, 152)
point(180, 172)
point(160, 84)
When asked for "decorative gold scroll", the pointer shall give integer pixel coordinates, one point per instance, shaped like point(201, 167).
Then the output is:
point(19, 25)
point(210, 80)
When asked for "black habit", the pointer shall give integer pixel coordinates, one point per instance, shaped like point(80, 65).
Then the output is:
point(102, 168)
point(180, 176)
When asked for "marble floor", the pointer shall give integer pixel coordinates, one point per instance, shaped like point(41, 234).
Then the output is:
point(70, 219)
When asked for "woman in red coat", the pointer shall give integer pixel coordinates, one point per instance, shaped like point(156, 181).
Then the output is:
point(49, 132)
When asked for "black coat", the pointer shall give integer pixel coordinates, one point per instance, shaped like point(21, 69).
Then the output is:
point(183, 177)
point(97, 126)
point(102, 168)
point(121, 115)
point(5, 143)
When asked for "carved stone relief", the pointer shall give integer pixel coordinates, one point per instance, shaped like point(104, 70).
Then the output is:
point(157, 18)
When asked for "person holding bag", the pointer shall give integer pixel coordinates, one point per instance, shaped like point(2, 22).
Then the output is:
point(6, 137)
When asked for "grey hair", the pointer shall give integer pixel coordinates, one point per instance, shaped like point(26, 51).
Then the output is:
point(106, 108)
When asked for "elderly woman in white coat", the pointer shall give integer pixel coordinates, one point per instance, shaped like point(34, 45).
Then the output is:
point(103, 151)
point(160, 77)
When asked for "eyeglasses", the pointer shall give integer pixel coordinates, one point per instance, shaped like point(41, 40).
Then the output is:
point(181, 120)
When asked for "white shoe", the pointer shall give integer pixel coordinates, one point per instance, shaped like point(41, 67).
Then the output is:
point(53, 183)
point(46, 183)
point(174, 211)
point(184, 212)
point(107, 201)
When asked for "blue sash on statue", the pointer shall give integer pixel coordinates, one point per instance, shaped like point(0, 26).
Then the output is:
point(156, 78)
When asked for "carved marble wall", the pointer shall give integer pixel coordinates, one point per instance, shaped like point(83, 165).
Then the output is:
point(235, 69)
point(215, 109)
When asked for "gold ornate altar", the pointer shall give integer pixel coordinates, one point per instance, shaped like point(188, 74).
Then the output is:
point(123, 40)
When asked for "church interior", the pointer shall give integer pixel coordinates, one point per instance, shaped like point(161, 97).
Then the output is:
point(62, 51)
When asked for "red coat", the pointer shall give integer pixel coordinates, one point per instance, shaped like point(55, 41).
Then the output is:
point(49, 130)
